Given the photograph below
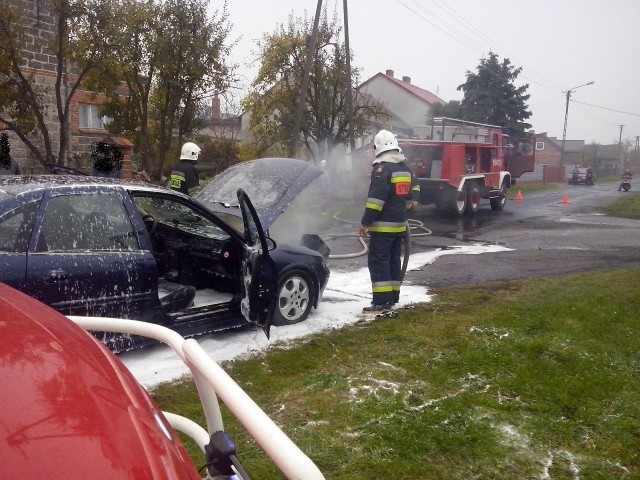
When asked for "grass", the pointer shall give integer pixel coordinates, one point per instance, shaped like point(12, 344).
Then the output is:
point(506, 380)
point(626, 207)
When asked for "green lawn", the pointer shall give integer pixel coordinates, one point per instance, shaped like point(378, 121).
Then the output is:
point(527, 379)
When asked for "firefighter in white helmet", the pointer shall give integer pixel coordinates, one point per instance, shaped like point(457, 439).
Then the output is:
point(392, 191)
point(184, 176)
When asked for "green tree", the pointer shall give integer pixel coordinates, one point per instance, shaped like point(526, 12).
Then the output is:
point(170, 56)
point(221, 153)
point(451, 109)
point(274, 96)
point(491, 96)
point(77, 41)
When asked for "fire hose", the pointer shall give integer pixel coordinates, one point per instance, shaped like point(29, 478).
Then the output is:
point(412, 225)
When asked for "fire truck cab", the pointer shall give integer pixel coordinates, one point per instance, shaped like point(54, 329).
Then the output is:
point(458, 163)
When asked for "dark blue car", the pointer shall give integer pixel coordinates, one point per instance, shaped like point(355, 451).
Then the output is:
point(112, 248)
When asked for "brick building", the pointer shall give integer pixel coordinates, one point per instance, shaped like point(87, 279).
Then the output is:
point(85, 126)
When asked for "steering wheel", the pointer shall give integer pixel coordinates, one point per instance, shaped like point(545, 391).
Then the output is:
point(150, 223)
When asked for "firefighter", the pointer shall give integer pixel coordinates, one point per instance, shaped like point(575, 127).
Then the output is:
point(184, 177)
point(392, 191)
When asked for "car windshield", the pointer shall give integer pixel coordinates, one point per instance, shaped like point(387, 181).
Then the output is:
point(170, 212)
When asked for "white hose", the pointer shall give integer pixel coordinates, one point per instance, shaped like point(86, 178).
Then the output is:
point(414, 225)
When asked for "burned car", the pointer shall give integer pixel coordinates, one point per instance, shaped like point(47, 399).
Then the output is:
point(111, 248)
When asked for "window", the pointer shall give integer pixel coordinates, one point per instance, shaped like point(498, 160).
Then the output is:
point(539, 146)
point(75, 223)
point(16, 227)
point(90, 118)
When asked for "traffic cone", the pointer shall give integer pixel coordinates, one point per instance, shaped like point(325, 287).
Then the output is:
point(565, 200)
point(519, 196)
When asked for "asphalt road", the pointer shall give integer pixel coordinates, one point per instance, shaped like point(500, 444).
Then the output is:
point(546, 237)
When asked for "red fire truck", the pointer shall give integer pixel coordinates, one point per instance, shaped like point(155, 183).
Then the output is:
point(458, 163)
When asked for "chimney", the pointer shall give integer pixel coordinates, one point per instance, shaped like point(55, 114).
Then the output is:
point(389, 73)
point(406, 79)
point(215, 108)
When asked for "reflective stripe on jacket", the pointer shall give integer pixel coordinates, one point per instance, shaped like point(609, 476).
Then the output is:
point(392, 186)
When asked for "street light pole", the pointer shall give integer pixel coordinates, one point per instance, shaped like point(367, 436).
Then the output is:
point(566, 114)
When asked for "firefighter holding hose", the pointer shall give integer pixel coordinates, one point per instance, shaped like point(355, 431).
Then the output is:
point(393, 190)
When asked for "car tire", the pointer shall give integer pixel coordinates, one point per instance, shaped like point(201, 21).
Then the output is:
point(296, 293)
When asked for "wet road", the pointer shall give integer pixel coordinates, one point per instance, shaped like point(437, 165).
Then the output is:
point(547, 237)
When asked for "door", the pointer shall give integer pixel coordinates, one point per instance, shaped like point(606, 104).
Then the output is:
point(87, 258)
point(523, 159)
point(259, 276)
point(15, 234)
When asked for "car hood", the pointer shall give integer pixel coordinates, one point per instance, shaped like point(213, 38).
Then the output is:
point(271, 183)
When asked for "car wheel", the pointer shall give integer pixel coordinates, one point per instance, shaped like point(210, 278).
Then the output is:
point(295, 298)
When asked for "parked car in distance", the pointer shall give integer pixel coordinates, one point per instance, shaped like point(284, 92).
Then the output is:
point(72, 410)
point(112, 248)
point(582, 176)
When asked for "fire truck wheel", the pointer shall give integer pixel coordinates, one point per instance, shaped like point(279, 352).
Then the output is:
point(473, 199)
point(460, 202)
point(499, 202)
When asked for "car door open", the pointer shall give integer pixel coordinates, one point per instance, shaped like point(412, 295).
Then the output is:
point(259, 277)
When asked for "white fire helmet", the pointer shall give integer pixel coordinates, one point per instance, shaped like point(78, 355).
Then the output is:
point(190, 151)
point(385, 141)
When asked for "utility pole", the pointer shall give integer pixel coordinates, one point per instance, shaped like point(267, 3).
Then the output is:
point(302, 93)
point(566, 114)
point(352, 140)
point(620, 159)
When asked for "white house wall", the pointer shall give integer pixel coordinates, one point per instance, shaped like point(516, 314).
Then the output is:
point(405, 106)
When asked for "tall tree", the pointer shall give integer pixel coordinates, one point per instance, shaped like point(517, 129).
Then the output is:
point(170, 56)
point(273, 100)
point(491, 96)
point(77, 40)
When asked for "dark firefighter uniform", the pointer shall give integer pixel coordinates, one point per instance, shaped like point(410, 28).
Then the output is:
point(392, 191)
point(184, 177)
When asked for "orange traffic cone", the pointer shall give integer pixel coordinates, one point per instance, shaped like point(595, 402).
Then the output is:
point(519, 196)
point(565, 200)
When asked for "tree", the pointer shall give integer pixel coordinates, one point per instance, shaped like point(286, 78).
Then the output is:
point(170, 56)
point(273, 100)
point(221, 153)
point(490, 95)
point(77, 40)
point(451, 109)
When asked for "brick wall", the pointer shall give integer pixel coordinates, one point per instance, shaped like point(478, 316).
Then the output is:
point(39, 59)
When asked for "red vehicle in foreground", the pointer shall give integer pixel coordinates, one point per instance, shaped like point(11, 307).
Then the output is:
point(459, 163)
point(72, 410)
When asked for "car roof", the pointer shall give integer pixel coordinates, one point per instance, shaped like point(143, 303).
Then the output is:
point(12, 186)
point(70, 407)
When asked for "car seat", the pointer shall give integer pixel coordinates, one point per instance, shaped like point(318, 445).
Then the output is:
point(174, 296)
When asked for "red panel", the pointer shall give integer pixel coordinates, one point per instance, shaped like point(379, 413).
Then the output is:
point(70, 409)
point(453, 163)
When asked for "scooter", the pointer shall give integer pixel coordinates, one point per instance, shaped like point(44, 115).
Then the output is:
point(626, 183)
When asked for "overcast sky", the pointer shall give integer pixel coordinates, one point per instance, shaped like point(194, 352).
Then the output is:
point(560, 44)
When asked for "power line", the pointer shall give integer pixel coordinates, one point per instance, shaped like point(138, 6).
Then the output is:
point(461, 19)
point(605, 108)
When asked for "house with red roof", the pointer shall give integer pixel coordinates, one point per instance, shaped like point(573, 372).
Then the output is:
point(409, 106)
